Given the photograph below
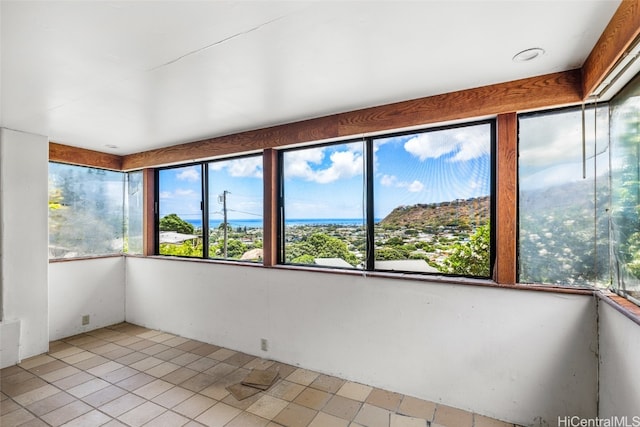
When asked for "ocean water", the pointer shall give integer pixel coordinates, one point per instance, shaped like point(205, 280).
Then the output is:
point(253, 223)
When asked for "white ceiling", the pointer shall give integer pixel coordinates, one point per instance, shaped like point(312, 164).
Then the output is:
point(146, 74)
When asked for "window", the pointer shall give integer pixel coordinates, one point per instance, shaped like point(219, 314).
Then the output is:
point(226, 192)
point(625, 191)
point(323, 208)
point(133, 243)
point(564, 197)
point(180, 222)
point(432, 201)
point(86, 211)
point(414, 202)
point(235, 209)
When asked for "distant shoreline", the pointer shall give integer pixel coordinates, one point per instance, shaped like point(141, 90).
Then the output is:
point(257, 223)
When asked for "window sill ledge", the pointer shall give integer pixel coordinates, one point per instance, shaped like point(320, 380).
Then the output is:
point(623, 305)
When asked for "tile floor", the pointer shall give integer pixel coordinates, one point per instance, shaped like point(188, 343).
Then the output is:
point(126, 375)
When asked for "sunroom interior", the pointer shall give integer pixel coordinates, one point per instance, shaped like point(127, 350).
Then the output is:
point(512, 345)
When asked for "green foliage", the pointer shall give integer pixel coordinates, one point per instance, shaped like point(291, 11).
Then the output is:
point(173, 222)
point(390, 254)
point(320, 245)
point(187, 248)
point(471, 258)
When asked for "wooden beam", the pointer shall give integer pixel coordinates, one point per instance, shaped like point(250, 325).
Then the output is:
point(83, 157)
point(519, 95)
point(270, 217)
point(505, 266)
point(526, 94)
point(622, 30)
point(308, 130)
point(148, 212)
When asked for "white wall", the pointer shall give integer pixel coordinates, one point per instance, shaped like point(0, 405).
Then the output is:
point(619, 368)
point(24, 234)
point(521, 356)
point(80, 287)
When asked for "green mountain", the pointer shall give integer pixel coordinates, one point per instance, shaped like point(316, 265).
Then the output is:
point(456, 213)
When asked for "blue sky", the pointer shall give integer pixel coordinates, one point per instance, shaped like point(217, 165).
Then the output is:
point(327, 181)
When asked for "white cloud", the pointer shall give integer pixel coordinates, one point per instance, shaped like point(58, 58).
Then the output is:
point(392, 181)
point(189, 174)
point(247, 167)
point(166, 195)
point(467, 144)
point(388, 180)
point(304, 163)
point(415, 187)
point(180, 192)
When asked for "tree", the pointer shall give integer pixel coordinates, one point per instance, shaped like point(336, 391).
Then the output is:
point(320, 245)
point(173, 222)
point(471, 258)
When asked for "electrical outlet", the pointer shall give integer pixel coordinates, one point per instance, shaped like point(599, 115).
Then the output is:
point(264, 344)
point(85, 320)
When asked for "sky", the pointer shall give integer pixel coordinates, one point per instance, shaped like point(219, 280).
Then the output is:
point(550, 148)
point(328, 181)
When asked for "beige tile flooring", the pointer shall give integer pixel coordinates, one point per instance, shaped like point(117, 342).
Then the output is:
point(127, 375)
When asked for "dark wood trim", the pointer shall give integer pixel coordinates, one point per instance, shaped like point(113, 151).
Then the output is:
point(505, 269)
point(83, 157)
point(621, 304)
point(526, 94)
point(622, 30)
point(148, 212)
point(270, 217)
point(519, 95)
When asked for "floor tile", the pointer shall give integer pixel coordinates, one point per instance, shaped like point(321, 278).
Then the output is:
point(34, 422)
point(176, 341)
point(50, 403)
point(198, 382)
point(222, 354)
point(204, 349)
point(326, 420)
point(119, 374)
point(45, 368)
point(169, 354)
point(417, 408)
point(105, 368)
point(185, 359)
point(405, 421)
point(313, 399)
point(78, 357)
point(35, 361)
point(384, 399)
point(295, 416)
point(168, 419)
point(217, 390)
point(26, 386)
point(220, 370)
point(342, 407)
point(91, 362)
point(258, 363)
point(239, 359)
point(179, 375)
point(88, 387)
point(162, 369)
point(194, 406)
point(372, 416)
point(355, 391)
point(59, 374)
point(35, 395)
point(73, 380)
point(66, 413)
point(327, 383)
point(286, 390)
point(154, 349)
point(142, 414)
point(248, 420)
point(448, 416)
point(303, 376)
point(8, 405)
point(218, 415)
point(103, 396)
point(153, 389)
point(482, 421)
point(131, 358)
point(15, 418)
point(91, 418)
point(122, 404)
point(173, 397)
point(136, 381)
point(160, 338)
point(244, 403)
point(190, 345)
point(145, 364)
point(202, 364)
point(267, 407)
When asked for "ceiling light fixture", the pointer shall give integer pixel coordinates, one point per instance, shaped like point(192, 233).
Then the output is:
point(528, 55)
point(111, 146)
